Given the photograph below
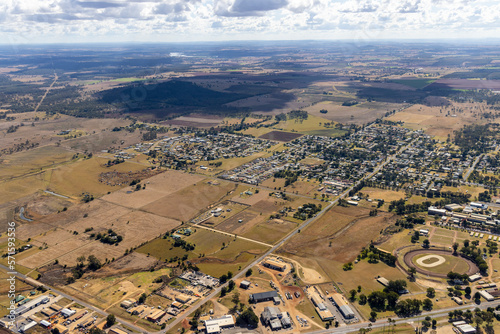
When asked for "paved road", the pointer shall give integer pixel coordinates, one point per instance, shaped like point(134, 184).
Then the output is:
point(466, 176)
point(384, 322)
point(279, 244)
point(243, 271)
point(89, 306)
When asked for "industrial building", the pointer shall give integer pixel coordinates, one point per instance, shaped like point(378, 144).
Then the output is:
point(432, 210)
point(342, 305)
point(245, 284)
point(265, 296)
point(273, 264)
point(274, 318)
point(66, 312)
point(27, 326)
point(486, 295)
point(31, 305)
point(116, 330)
point(475, 277)
point(479, 205)
point(156, 315)
point(214, 326)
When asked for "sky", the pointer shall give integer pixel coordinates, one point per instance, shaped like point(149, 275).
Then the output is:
point(73, 21)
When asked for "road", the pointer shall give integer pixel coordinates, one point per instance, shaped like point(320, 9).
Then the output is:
point(384, 322)
point(89, 306)
point(466, 176)
point(279, 244)
point(46, 92)
point(243, 271)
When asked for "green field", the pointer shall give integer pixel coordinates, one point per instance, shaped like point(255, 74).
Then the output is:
point(326, 132)
point(415, 83)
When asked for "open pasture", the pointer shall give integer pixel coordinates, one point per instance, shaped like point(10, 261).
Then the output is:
point(338, 235)
point(187, 203)
point(157, 187)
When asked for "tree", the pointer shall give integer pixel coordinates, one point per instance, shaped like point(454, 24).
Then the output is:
point(362, 299)
point(412, 271)
point(94, 263)
point(392, 299)
point(223, 291)
point(142, 298)
point(455, 247)
point(249, 272)
point(373, 315)
point(236, 298)
point(427, 304)
point(247, 317)
point(352, 295)
point(110, 320)
point(95, 330)
point(397, 285)
point(431, 293)
point(426, 243)
point(376, 300)
point(230, 286)
point(468, 290)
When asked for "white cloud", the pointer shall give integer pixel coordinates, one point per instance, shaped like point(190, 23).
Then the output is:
point(182, 20)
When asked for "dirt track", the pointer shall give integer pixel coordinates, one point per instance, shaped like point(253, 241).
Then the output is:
point(411, 254)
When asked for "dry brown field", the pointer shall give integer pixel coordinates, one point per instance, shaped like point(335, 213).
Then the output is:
point(157, 187)
point(338, 235)
point(187, 203)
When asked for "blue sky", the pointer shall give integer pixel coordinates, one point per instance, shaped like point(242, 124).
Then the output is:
point(69, 21)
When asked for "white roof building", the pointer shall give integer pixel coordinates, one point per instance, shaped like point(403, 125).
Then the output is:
point(214, 325)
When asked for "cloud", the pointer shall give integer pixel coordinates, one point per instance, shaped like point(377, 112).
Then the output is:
point(410, 7)
point(99, 4)
point(248, 7)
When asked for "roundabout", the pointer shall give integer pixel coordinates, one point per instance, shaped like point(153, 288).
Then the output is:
point(438, 262)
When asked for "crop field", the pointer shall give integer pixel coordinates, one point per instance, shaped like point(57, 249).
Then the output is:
point(338, 235)
point(64, 239)
point(158, 186)
point(357, 114)
point(414, 83)
point(270, 231)
point(280, 136)
point(187, 203)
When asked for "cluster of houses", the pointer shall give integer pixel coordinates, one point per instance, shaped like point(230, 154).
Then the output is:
point(257, 170)
point(211, 146)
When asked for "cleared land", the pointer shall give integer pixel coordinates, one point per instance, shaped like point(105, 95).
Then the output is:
point(157, 187)
point(280, 136)
point(338, 235)
point(187, 203)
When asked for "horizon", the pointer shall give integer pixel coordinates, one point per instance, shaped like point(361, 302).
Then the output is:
point(157, 21)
